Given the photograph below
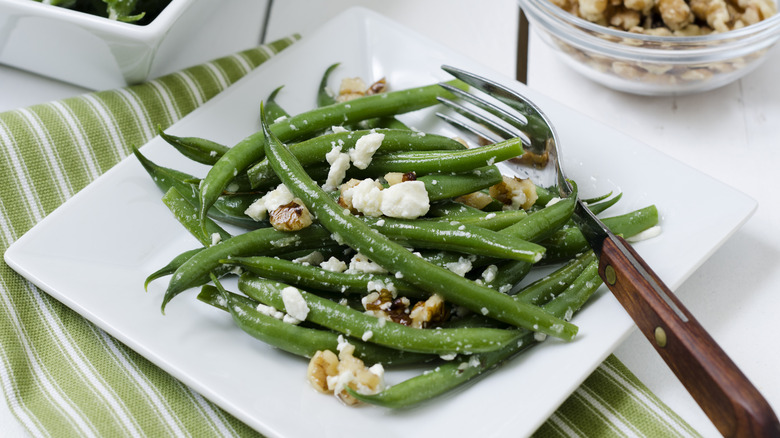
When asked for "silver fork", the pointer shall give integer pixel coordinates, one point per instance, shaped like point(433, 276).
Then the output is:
point(728, 398)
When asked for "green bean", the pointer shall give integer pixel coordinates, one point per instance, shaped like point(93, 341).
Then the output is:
point(598, 207)
point(324, 94)
point(195, 271)
point(197, 149)
point(312, 277)
point(456, 236)
point(172, 266)
point(376, 330)
point(535, 226)
point(546, 288)
point(448, 185)
point(450, 375)
point(452, 209)
point(544, 222)
point(313, 151)
point(273, 110)
point(495, 220)
point(223, 209)
point(569, 241)
point(298, 340)
point(251, 149)
point(442, 161)
point(394, 257)
point(187, 215)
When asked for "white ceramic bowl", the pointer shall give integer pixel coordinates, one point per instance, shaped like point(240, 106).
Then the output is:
point(651, 65)
point(98, 53)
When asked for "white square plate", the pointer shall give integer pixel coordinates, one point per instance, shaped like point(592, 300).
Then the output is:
point(94, 252)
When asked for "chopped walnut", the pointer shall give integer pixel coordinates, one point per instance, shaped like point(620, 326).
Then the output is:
point(394, 178)
point(345, 198)
point(377, 87)
point(515, 193)
point(333, 375)
point(383, 304)
point(352, 88)
point(478, 200)
point(676, 14)
point(323, 364)
point(677, 17)
point(290, 217)
point(429, 312)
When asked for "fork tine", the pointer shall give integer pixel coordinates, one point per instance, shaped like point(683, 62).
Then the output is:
point(503, 131)
point(489, 136)
point(537, 127)
point(490, 107)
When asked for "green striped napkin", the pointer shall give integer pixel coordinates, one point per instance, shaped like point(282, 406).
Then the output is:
point(63, 377)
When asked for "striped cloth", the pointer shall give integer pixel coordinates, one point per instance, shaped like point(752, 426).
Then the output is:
point(63, 377)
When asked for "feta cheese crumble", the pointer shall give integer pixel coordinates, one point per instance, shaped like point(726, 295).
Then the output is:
point(294, 303)
point(365, 148)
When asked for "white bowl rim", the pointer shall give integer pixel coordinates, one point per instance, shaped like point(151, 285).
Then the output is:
point(770, 25)
point(154, 30)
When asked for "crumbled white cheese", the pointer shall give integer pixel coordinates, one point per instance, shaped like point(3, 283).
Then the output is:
point(270, 311)
point(294, 303)
point(215, 238)
point(448, 356)
point(272, 200)
point(366, 197)
point(367, 335)
point(489, 274)
point(333, 265)
point(361, 263)
point(365, 148)
point(339, 164)
point(407, 200)
point(379, 286)
point(337, 129)
point(461, 267)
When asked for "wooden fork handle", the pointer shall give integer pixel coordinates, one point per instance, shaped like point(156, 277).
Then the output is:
point(728, 398)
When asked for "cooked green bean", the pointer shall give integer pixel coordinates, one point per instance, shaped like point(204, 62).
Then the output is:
point(187, 215)
point(195, 271)
point(223, 210)
point(442, 161)
point(172, 266)
point(376, 330)
point(396, 258)
point(456, 236)
point(201, 150)
point(550, 286)
point(324, 94)
point(450, 185)
point(450, 375)
point(569, 241)
point(273, 110)
point(298, 340)
point(313, 151)
point(314, 278)
point(251, 149)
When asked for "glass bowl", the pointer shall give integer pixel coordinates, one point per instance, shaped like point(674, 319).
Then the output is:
point(648, 64)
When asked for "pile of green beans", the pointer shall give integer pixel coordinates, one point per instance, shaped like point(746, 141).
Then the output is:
point(491, 312)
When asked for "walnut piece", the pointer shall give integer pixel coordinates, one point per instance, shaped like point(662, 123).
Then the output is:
point(333, 374)
point(290, 217)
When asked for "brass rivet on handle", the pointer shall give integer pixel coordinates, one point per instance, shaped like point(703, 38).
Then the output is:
point(609, 272)
point(660, 337)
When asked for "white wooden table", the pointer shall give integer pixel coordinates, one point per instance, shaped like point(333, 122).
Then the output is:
point(730, 134)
